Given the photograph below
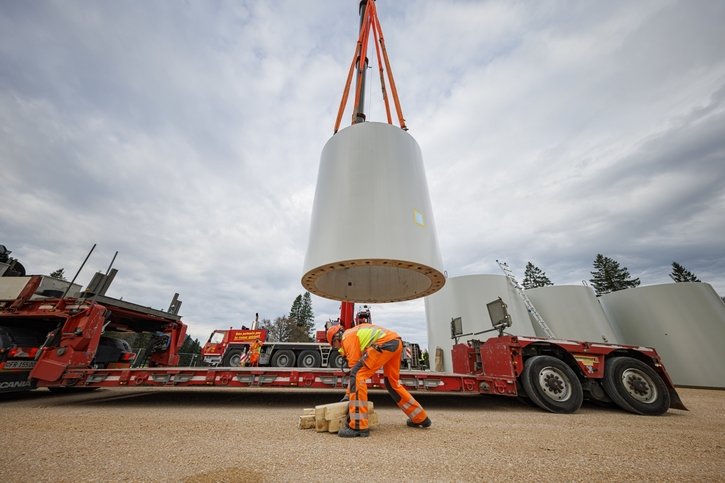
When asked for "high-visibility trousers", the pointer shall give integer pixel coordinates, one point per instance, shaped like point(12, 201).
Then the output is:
point(388, 358)
point(254, 359)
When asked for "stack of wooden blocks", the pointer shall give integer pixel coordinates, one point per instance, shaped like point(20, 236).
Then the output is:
point(329, 418)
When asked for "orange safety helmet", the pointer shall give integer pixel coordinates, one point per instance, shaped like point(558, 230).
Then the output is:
point(333, 332)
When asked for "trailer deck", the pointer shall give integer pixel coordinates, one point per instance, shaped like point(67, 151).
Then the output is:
point(276, 377)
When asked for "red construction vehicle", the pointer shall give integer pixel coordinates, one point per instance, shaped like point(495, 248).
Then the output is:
point(20, 341)
point(229, 347)
point(18, 347)
point(47, 331)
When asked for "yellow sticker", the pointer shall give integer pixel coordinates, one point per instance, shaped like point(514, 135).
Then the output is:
point(587, 360)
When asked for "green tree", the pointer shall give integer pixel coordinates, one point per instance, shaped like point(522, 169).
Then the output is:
point(190, 352)
point(58, 274)
point(681, 274)
point(534, 277)
point(608, 276)
point(296, 308)
point(277, 330)
point(191, 346)
point(302, 318)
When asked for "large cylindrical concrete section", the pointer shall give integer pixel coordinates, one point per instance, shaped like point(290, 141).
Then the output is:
point(372, 235)
point(684, 322)
point(466, 297)
point(572, 312)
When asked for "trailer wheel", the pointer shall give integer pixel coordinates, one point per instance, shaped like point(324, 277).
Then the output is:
point(336, 360)
point(309, 359)
point(521, 395)
point(231, 358)
point(283, 358)
point(552, 385)
point(635, 387)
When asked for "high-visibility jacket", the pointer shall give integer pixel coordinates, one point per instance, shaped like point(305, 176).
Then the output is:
point(255, 348)
point(360, 338)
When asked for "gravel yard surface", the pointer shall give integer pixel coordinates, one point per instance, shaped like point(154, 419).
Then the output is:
point(209, 435)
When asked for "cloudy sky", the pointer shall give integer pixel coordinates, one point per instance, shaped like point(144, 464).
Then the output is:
point(187, 135)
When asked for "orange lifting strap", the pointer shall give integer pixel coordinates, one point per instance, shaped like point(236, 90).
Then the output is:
point(370, 22)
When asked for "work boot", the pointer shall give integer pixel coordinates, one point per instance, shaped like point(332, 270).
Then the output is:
point(425, 424)
point(348, 432)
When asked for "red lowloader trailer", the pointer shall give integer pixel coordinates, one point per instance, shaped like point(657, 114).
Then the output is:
point(556, 375)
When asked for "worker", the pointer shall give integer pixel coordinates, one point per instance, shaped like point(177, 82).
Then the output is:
point(254, 351)
point(363, 317)
point(368, 348)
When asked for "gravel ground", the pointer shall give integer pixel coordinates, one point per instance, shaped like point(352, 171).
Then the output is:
point(208, 435)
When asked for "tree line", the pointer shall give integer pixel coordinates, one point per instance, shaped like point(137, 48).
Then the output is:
point(608, 276)
point(297, 326)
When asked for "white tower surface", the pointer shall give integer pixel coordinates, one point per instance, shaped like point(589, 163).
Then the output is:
point(684, 322)
point(466, 297)
point(372, 235)
point(573, 312)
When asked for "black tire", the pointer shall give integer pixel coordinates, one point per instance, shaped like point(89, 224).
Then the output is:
point(552, 385)
point(635, 387)
point(231, 358)
point(336, 360)
point(283, 358)
point(309, 359)
point(522, 397)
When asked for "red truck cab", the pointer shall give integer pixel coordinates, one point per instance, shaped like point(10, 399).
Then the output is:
point(227, 347)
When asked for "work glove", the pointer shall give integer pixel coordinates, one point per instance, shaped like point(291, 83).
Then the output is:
point(345, 398)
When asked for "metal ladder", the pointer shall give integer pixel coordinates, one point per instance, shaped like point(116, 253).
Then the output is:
point(527, 302)
point(325, 357)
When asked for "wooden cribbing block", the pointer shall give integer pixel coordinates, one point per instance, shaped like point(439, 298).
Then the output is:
point(321, 424)
point(335, 425)
point(336, 410)
point(330, 417)
point(306, 421)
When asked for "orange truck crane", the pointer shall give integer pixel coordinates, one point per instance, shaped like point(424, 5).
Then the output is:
point(230, 347)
